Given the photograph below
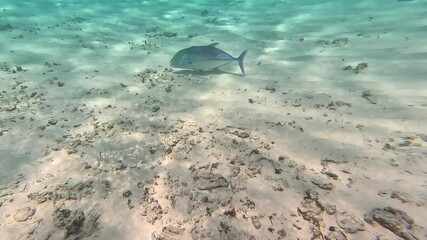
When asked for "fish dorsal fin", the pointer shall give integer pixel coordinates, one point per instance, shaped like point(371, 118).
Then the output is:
point(212, 44)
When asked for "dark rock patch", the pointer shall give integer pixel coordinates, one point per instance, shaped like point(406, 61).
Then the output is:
point(322, 183)
point(335, 234)
point(350, 223)
point(70, 221)
point(395, 220)
point(24, 214)
point(210, 181)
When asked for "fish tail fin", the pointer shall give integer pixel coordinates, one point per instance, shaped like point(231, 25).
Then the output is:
point(240, 61)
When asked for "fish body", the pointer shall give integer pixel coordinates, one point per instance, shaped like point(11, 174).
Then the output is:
point(205, 58)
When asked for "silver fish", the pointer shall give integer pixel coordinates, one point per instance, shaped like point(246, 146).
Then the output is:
point(205, 58)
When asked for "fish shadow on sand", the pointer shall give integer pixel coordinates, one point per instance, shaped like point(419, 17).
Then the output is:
point(206, 72)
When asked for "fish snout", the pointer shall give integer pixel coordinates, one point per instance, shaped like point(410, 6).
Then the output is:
point(172, 63)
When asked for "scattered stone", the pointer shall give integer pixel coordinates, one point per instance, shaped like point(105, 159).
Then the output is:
point(63, 192)
point(248, 203)
point(253, 169)
point(127, 193)
point(230, 212)
point(423, 137)
point(152, 210)
point(316, 232)
point(91, 224)
point(256, 222)
point(52, 121)
point(226, 230)
point(334, 105)
point(348, 67)
point(368, 95)
point(393, 162)
point(6, 27)
point(329, 173)
point(210, 181)
point(72, 151)
point(350, 223)
point(204, 13)
point(38, 198)
point(310, 208)
point(241, 134)
point(388, 146)
point(169, 34)
point(11, 107)
point(404, 198)
point(335, 234)
point(168, 88)
point(5, 67)
point(360, 67)
point(292, 164)
point(395, 220)
point(330, 209)
point(152, 78)
point(192, 35)
point(17, 68)
point(76, 19)
point(276, 166)
point(282, 234)
point(155, 108)
point(322, 183)
point(51, 80)
point(272, 89)
point(24, 214)
point(297, 102)
point(75, 143)
point(359, 126)
point(251, 100)
point(339, 42)
point(405, 143)
point(70, 221)
point(172, 232)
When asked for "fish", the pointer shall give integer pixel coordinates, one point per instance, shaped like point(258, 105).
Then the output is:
point(205, 58)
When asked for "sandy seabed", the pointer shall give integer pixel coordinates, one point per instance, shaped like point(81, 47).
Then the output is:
point(324, 138)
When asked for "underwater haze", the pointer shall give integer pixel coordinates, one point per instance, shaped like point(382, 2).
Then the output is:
point(278, 119)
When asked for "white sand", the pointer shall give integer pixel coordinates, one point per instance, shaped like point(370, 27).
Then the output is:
point(260, 139)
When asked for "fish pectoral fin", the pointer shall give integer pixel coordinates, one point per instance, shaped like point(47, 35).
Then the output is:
point(212, 44)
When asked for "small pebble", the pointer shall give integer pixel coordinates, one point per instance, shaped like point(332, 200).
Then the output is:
point(24, 214)
point(52, 121)
point(127, 193)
